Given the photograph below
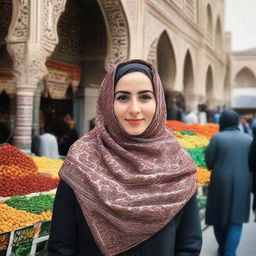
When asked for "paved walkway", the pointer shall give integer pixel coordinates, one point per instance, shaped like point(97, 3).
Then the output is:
point(247, 245)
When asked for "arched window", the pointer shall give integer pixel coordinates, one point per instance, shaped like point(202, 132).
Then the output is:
point(245, 78)
point(218, 38)
point(166, 61)
point(209, 85)
point(209, 22)
point(188, 75)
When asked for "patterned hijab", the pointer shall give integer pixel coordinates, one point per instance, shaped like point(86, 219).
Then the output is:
point(128, 187)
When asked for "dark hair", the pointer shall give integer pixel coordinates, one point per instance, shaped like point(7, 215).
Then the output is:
point(124, 69)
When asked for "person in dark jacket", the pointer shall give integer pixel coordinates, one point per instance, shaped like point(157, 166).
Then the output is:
point(173, 112)
point(252, 164)
point(127, 187)
point(228, 200)
point(68, 134)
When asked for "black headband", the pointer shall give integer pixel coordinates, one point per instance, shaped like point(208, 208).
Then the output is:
point(124, 69)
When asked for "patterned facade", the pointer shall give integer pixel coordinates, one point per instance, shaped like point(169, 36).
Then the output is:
point(61, 49)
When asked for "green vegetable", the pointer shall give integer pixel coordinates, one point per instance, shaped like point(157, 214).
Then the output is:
point(197, 155)
point(35, 204)
point(187, 133)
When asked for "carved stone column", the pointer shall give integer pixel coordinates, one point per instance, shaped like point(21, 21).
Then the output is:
point(31, 39)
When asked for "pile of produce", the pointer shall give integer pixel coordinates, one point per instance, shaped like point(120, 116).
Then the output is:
point(33, 204)
point(194, 138)
point(19, 175)
point(48, 165)
point(11, 219)
point(25, 188)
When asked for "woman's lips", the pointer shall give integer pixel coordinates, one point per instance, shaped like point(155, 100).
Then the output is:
point(134, 121)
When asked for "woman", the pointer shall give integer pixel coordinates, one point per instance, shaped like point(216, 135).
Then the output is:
point(228, 201)
point(127, 188)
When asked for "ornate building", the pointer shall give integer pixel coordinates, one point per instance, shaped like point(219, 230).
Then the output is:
point(55, 53)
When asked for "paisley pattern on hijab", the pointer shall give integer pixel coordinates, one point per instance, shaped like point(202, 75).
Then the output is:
point(128, 187)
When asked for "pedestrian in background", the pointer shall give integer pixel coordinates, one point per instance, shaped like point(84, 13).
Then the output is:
point(216, 115)
point(173, 111)
point(48, 145)
point(191, 117)
point(228, 200)
point(68, 134)
point(127, 187)
point(252, 164)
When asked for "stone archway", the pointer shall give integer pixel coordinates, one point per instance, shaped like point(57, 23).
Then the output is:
point(245, 78)
point(209, 87)
point(166, 62)
point(188, 74)
point(161, 55)
point(218, 37)
point(188, 83)
point(117, 30)
point(209, 24)
point(104, 42)
point(152, 55)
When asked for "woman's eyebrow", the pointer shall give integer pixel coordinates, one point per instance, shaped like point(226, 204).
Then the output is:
point(145, 91)
point(140, 92)
point(126, 92)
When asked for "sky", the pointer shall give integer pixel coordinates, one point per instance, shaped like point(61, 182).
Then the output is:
point(240, 20)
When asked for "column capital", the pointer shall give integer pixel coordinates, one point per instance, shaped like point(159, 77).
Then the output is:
point(32, 37)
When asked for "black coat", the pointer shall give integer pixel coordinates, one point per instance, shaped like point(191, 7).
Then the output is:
point(228, 199)
point(252, 164)
point(70, 234)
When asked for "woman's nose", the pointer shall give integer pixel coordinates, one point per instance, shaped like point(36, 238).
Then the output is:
point(134, 107)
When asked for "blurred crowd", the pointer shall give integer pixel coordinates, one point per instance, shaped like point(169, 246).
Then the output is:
point(202, 115)
point(56, 136)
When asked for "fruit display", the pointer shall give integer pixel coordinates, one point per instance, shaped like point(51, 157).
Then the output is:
point(11, 219)
point(48, 165)
point(10, 155)
point(194, 138)
point(27, 188)
point(19, 174)
point(207, 130)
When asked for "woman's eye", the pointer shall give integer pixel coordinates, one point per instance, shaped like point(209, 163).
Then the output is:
point(145, 97)
point(122, 98)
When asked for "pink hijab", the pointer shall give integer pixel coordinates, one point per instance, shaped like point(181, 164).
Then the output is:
point(128, 187)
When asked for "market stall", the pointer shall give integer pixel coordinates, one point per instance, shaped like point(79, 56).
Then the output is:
point(28, 185)
point(27, 189)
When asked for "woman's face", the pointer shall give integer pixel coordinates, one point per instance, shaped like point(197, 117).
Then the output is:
point(134, 102)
